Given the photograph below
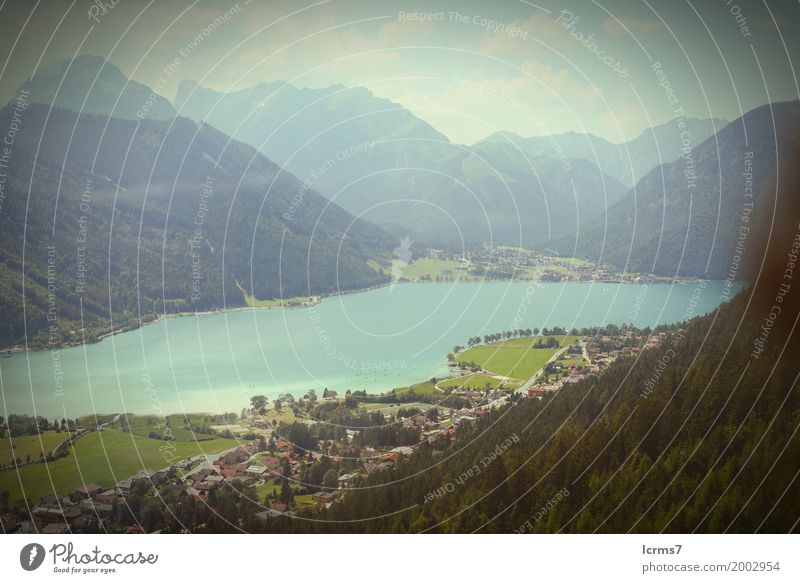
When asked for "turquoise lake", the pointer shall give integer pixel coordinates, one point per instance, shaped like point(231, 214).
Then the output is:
point(377, 340)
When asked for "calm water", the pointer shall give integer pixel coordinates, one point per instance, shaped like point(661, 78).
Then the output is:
point(377, 340)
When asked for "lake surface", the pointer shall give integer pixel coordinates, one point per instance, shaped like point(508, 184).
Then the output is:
point(389, 337)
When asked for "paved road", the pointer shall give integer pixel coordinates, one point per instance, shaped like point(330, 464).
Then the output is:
point(531, 381)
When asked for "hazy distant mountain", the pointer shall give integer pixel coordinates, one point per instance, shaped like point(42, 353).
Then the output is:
point(93, 85)
point(164, 218)
point(667, 226)
point(300, 129)
point(377, 160)
point(627, 162)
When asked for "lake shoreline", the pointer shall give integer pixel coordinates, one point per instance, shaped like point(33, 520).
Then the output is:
point(331, 345)
point(17, 349)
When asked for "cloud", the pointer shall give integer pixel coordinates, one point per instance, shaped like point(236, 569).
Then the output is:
point(635, 26)
point(539, 29)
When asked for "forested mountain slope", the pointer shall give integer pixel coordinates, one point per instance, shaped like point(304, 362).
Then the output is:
point(139, 218)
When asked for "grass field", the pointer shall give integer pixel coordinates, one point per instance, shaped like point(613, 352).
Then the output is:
point(512, 358)
point(423, 388)
point(253, 302)
point(476, 381)
point(433, 268)
point(269, 488)
point(285, 415)
point(570, 361)
point(104, 458)
point(179, 433)
point(304, 500)
point(26, 445)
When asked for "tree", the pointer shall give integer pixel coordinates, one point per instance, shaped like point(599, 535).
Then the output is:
point(259, 404)
point(330, 479)
point(287, 497)
point(278, 404)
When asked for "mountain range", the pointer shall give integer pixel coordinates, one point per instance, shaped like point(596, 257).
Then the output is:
point(105, 217)
point(311, 189)
point(377, 160)
point(693, 217)
point(91, 84)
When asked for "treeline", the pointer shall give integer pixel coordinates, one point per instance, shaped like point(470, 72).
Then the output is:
point(712, 447)
point(19, 425)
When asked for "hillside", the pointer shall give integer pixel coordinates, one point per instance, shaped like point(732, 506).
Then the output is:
point(135, 219)
point(684, 218)
point(92, 85)
point(376, 159)
point(709, 444)
point(699, 435)
point(626, 162)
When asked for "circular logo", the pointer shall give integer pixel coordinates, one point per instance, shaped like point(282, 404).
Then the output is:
point(31, 556)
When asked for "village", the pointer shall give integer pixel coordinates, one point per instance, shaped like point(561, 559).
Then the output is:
point(298, 455)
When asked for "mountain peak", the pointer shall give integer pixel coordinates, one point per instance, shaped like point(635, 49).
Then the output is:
point(91, 84)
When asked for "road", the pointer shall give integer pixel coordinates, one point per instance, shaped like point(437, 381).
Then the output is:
point(523, 390)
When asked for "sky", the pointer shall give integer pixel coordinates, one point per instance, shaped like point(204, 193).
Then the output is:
point(468, 68)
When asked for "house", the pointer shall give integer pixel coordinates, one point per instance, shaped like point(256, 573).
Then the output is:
point(371, 468)
point(8, 521)
point(124, 487)
point(255, 470)
point(278, 506)
point(268, 514)
point(323, 498)
point(539, 393)
point(201, 475)
point(56, 528)
point(93, 507)
point(87, 491)
point(45, 515)
point(347, 479)
point(238, 455)
point(107, 496)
